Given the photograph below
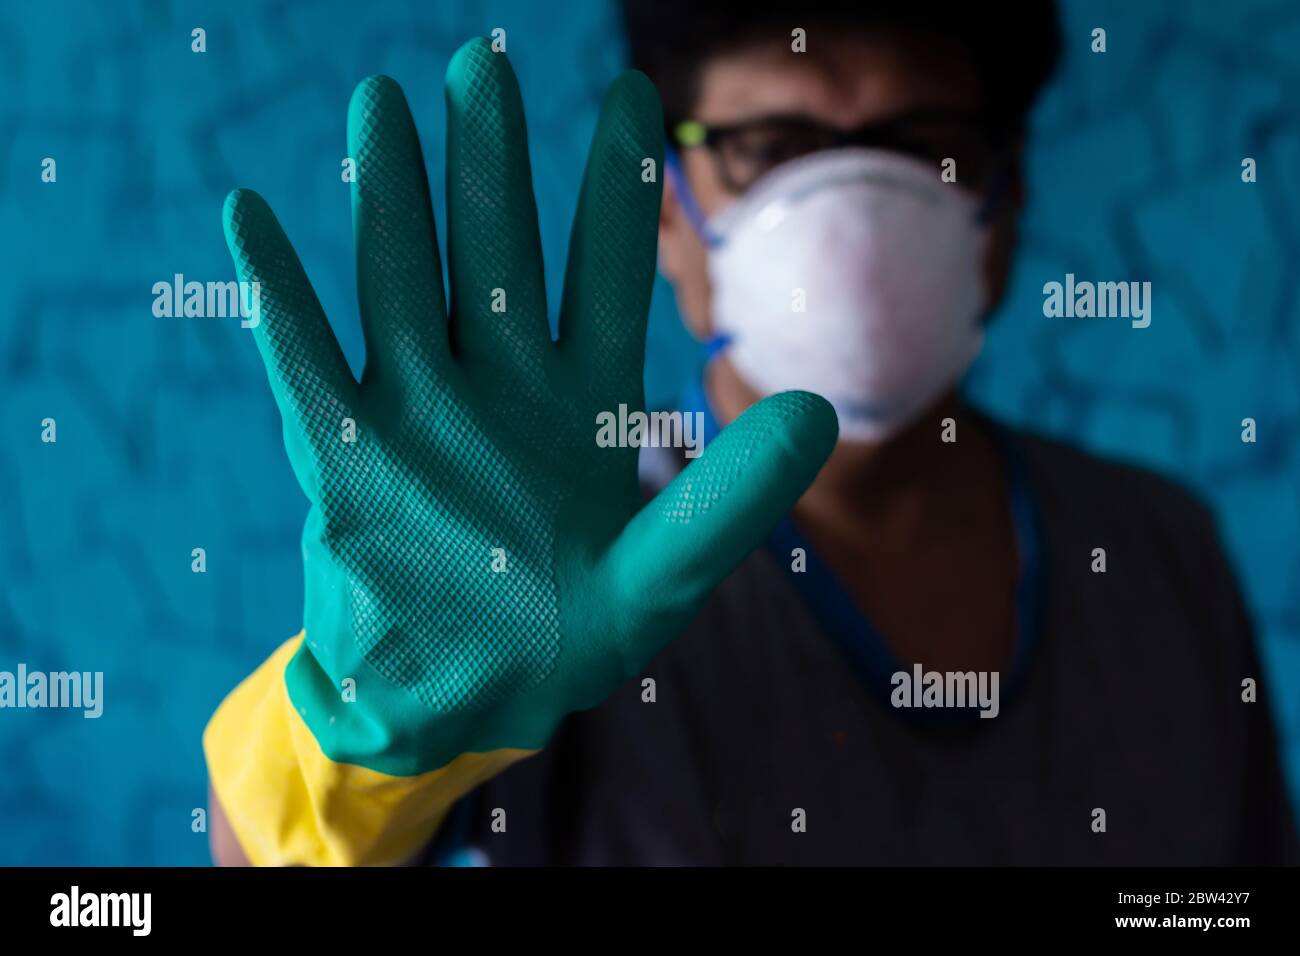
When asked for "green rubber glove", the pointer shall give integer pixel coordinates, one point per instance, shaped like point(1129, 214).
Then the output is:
point(476, 566)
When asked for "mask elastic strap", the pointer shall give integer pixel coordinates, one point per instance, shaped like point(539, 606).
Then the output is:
point(715, 345)
point(694, 215)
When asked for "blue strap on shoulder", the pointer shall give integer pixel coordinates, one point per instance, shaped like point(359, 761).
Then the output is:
point(840, 618)
point(866, 651)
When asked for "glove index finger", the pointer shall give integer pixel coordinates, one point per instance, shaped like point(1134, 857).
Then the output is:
point(612, 248)
point(711, 516)
point(309, 376)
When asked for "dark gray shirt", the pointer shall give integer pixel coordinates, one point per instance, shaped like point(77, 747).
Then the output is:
point(1131, 702)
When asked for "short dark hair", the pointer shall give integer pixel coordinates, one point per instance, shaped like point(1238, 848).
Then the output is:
point(1014, 48)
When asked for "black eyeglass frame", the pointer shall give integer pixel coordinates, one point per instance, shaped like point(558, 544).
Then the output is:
point(882, 134)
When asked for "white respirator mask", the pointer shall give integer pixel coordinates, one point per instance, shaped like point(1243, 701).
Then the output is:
point(856, 274)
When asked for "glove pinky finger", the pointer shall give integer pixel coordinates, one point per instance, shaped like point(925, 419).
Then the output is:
point(309, 375)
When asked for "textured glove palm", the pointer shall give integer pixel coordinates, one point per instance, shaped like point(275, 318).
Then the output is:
point(476, 565)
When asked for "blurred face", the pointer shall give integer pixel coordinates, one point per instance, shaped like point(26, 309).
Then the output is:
point(765, 105)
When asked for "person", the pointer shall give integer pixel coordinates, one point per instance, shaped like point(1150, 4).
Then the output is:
point(842, 183)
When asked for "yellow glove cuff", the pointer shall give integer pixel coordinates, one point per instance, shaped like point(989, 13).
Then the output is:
point(289, 804)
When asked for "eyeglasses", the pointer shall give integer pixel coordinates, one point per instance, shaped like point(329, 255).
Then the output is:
point(744, 151)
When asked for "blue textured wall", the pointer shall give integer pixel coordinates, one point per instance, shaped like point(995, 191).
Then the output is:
point(168, 439)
